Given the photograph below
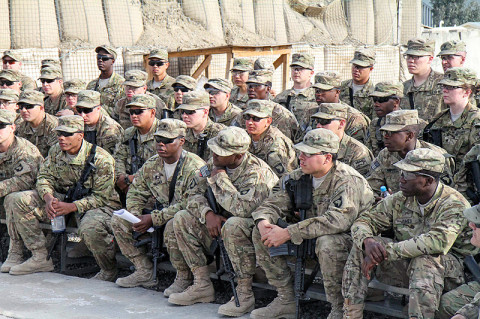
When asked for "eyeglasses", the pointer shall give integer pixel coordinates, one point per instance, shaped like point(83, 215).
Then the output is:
point(238, 72)
point(3, 125)
point(390, 133)
point(255, 85)
point(383, 99)
point(84, 110)
point(156, 63)
point(212, 91)
point(47, 80)
point(409, 176)
point(180, 88)
point(450, 88)
point(325, 121)
point(163, 140)
point(256, 119)
point(299, 69)
point(449, 57)
point(415, 58)
point(308, 155)
point(26, 106)
point(104, 57)
point(136, 111)
point(6, 103)
point(476, 225)
point(359, 67)
point(189, 112)
point(320, 91)
point(6, 82)
point(9, 62)
point(65, 134)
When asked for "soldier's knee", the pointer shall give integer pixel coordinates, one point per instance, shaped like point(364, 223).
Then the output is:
point(233, 227)
point(12, 202)
point(169, 233)
point(181, 219)
point(120, 225)
point(256, 237)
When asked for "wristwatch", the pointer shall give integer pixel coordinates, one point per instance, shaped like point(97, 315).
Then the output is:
point(126, 180)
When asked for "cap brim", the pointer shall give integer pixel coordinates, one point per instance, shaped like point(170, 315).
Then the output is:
point(241, 68)
point(392, 127)
point(166, 134)
point(216, 86)
point(11, 56)
point(143, 106)
point(28, 101)
point(302, 147)
point(407, 167)
point(72, 91)
point(418, 52)
point(451, 82)
point(67, 129)
point(10, 99)
point(87, 105)
point(472, 214)
point(360, 63)
point(303, 65)
point(381, 94)
point(257, 113)
point(215, 148)
point(190, 107)
point(9, 78)
point(322, 86)
point(158, 57)
point(48, 77)
point(446, 52)
point(255, 81)
point(322, 115)
point(188, 86)
point(134, 84)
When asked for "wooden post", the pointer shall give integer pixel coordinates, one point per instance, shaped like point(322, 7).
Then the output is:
point(204, 65)
point(229, 65)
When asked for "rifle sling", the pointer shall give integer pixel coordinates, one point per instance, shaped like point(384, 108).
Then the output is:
point(132, 143)
point(287, 104)
point(171, 186)
point(411, 101)
point(350, 95)
point(429, 125)
point(87, 169)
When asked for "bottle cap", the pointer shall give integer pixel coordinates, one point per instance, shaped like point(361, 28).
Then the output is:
point(383, 188)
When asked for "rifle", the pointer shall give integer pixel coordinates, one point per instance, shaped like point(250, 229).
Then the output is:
point(300, 193)
point(411, 100)
point(474, 192)
point(167, 114)
point(202, 144)
point(132, 143)
point(76, 192)
point(227, 268)
point(473, 267)
point(434, 135)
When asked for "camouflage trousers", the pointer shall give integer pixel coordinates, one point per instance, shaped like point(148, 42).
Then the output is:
point(194, 241)
point(455, 299)
point(332, 252)
point(426, 277)
point(25, 210)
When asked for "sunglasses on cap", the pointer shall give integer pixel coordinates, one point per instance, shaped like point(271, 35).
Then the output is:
point(26, 106)
point(84, 110)
point(47, 80)
point(383, 99)
point(212, 91)
point(3, 125)
point(409, 176)
point(136, 111)
point(156, 63)
point(163, 140)
point(104, 57)
point(325, 121)
point(180, 88)
point(247, 117)
point(7, 82)
point(65, 134)
point(189, 112)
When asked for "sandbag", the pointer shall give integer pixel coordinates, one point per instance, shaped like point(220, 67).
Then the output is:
point(361, 20)
point(4, 25)
point(134, 59)
point(270, 20)
point(318, 52)
point(296, 24)
point(385, 21)
point(206, 12)
point(337, 59)
point(84, 20)
point(411, 21)
point(387, 64)
point(124, 21)
point(31, 60)
point(239, 12)
point(33, 24)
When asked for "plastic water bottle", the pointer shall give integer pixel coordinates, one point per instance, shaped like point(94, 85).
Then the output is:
point(58, 224)
point(383, 191)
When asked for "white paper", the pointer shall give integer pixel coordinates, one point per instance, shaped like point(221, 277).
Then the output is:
point(129, 217)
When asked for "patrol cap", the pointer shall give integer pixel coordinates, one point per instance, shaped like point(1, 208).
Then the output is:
point(50, 73)
point(303, 60)
point(143, 100)
point(398, 120)
point(195, 100)
point(230, 140)
point(327, 81)
point(387, 88)
point(319, 140)
point(7, 116)
point(422, 159)
point(219, 84)
point(15, 55)
point(171, 128)
point(263, 63)
point(331, 111)
point(472, 214)
point(452, 47)
point(136, 78)
point(108, 48)
point(259, 108)
point(242, 64)
point(32, 97)
point(74, 86)
point(9, 95)
point(50, 63)
point(186, 81)
point(159, 53)
point(260, 77)
point(459, 76)
point(70, 124)
point(88, 99)
point(420, 47)
point(363, 56)
point(11, 75)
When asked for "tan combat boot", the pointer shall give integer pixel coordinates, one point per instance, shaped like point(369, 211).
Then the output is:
point(245, 297)
point(352, 311)
point(283, 306)
point(37, 263)
point(15, 255)
point(183, 280)
point(106, 275)
point(143, 275)
point(336, 312)
point(201, 290)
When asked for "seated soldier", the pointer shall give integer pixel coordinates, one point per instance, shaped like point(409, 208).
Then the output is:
point(430, 239)
point(171, 165)
point(52, 86)
point(340, 194)
point(100, 129)
point(182, 85)
point(467, 179)
point(50, 63)
point(8, 101)
point(221, 109)
point(37, 127)
point(161, 83)
point(11, 79)
point(239, 182)
point(268, 142)
point(240, 70)
point(71, 89)
point(12, 60)
point(59, 173)
point(333, 117)
point(400, 137)
point(200, 128)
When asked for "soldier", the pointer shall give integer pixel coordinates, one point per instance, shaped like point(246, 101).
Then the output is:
point(429, 243)
point(467, 179)
point(52, 86)
point(327, 90)
point(340, 194)
point(333, 117)
point(11, 79)
point(100, 129)
point(8, 101)
point(200, 128)
point(59, 172)
point(241, 68)
point(108, 83)
point(400, 133)
point(221, 109)
point(453, 54)
point(135, 83)
point(268, 142)
point(171, 165)
point(239, 182)
point(386, 98)
point(71, 89)
point(182, 84)
point(422, 91)
point(356, 91)
point(12, 60)
point(37, 127)
point(137, 143)
point(161, 84)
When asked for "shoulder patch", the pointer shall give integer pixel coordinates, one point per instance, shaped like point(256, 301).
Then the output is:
point(375, 164)
point(279, 168)
point(338, 202)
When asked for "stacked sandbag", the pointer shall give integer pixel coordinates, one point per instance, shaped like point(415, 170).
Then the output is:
point(387, 65)
point(135, 59)
point(32, 60)
point(83, 20)
point(33, 24)
point(337, 59)
point(124, 21)
point(4, 25)
point(411, 20)
point(206, 12)
point(385, 21)
point(361, 20)
point(239, 12)
point(270, 20)
point(297, 25)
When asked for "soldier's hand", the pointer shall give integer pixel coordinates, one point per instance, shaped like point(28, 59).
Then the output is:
point(62, 208)
point(121, 184)
point(276, 236)
point(217, 170)
point(459, 317)
point(64, 112)
point(214, 223)
point(263, 227)
point(367, 266)
point(49, 200)
point(374, 250)
point(144, 224)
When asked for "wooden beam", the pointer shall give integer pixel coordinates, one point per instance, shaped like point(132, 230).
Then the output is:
point(202, 66)
point(229, 65)
point(286, 70)
point(278, 61)
point(236, 50)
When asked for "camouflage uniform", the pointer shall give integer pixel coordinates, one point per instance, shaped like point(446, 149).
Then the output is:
point(181, 80)
point(231, 111)
point(27, 82)
point(244, 65)
point(430, 244)
point(165, 90)
point(337, 202)
point(263, 63)
point(11, 75)
point(52, 106)
point(464, 178)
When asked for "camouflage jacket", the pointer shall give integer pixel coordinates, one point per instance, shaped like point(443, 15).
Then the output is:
point(108, 133)
point(122, 116)
point(297, 101)
point(231, 112)
point(275, 149)
point(355, 154)
point(191, 141)
point(59, 172)
point(239, 193)
point(171, 104)
point(165, 90)
point(52, 107)
point(340, 199)
point(384, 173)
point(152, 181)
point(439, 230)
point(427, 98)
point(470, 310)
point(375, 136)
point(361, 99)
point(357, 124)
point(19, 167)
point(110, 93)
point(28, 83)
point(234, 98)
point(464, 177)
point(145, 149)
point(43, 137)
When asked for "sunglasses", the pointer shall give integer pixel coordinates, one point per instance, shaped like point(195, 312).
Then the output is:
point(189, 112)
point(212, 91)
point(3, 125)
point(163, 140)
point(47, 80)
point(156, 63)
point(390, 133)
point(136, 111)
point(255, 85)
point(104, 58)
point(449, 57)
point(26, 106)
point(237, 72)
point(409, 176)
point(84, 110)
point(180, 88)
point(65, 134)
point(383, 99)
point(325, 121)
point(247, 117)
point(9, 62)
point(7, 82)
point(359, 67)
